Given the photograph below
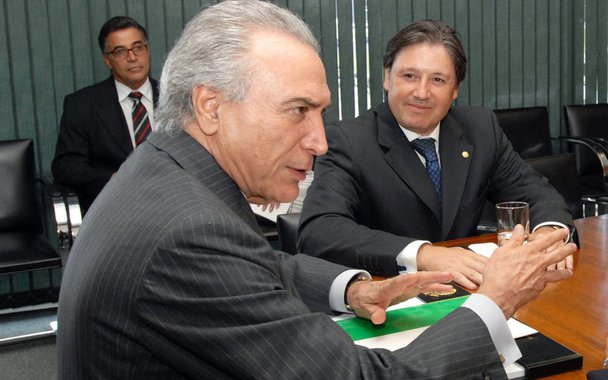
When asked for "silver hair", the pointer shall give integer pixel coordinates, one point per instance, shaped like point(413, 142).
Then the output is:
point(213, 51)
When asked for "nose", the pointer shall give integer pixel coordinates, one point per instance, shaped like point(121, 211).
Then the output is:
point(422, 89)
point(314, 139)
point(131, 55)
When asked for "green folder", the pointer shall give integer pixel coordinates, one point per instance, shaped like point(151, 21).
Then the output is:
point(401, 319)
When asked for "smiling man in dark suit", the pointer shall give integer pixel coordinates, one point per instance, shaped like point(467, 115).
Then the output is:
point(171, 277)
point(377, 202)
point(97, 130)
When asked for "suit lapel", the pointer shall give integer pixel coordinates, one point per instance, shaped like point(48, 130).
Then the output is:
point(109, 115)
point(402, 158)
point(455, 155)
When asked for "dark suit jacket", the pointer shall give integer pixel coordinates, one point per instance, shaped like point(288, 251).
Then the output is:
point(371, 195)
point(171, 277)
point(93, 139)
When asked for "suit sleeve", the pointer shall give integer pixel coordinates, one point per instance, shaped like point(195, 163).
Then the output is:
point(328, 225)
point(514, 179)
point(71, 165)
point(216, 301)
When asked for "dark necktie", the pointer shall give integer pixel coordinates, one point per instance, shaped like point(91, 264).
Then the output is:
point(426, 147)
point(141, 122)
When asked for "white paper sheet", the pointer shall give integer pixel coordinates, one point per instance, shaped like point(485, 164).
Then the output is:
point(270, 215)
point(484, 249)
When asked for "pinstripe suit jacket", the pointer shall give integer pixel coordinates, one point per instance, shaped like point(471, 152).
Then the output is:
point(171, 278)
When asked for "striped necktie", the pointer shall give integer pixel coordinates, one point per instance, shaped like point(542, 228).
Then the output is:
point(141, 122)
point(426, 147)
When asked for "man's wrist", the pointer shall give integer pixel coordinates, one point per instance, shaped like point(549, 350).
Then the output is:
point(406, 259)
point(494, 319)
point(359, 277)
point(338, 289)
point(554, 226)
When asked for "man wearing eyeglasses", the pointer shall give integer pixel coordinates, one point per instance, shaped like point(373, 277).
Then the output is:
point(103, 123)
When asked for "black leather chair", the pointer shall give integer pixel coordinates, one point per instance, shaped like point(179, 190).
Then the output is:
point(528, 130)
point(287, 227)
point(560, 170)
point(23, 244)
point(29, 263)
point(588, 133)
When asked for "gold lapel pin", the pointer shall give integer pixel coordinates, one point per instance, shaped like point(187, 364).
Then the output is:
point(465, 154)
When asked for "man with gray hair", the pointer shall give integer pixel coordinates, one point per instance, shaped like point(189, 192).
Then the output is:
point(170, 276)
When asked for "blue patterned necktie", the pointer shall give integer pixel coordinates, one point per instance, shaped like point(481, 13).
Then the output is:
point(426, 147)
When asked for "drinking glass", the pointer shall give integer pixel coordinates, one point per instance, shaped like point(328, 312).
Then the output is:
point(510, 214)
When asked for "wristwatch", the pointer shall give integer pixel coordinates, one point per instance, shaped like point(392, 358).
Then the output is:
point(359, 277)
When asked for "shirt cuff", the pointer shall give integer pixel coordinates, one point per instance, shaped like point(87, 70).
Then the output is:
point(497, 325)
point(553, 224)
point(406, 259)
point(338, 289)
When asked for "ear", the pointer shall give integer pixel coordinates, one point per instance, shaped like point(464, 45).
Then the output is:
point(107, 61)
point(455, 94)
point(387, 72)
point(206, 102)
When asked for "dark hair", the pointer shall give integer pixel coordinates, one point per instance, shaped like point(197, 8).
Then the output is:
point(118, 23)
point(430, 32)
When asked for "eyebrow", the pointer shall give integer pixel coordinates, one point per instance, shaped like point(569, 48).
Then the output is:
point(410, 69)
point(133, 43)
point(305, 101)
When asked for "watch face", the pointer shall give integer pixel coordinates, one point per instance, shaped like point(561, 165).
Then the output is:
point(439, 296)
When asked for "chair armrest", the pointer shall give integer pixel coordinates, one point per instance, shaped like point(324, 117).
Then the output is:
point(287, 227)
point(594, 204)
point(598, 146)
point(598, 203)
point(66, 211)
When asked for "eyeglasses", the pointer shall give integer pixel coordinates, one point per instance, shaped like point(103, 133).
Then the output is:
point(120, 52)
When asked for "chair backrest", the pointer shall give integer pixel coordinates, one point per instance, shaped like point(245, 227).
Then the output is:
point(287, 228)
point(560, 170)
point(528, 130)
point(19, 205)
point(589, 120)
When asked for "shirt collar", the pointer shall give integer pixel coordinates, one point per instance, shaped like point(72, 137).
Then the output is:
point(413, 135)
point(124, 90)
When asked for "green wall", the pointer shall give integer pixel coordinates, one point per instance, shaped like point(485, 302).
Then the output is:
point(521, 52)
